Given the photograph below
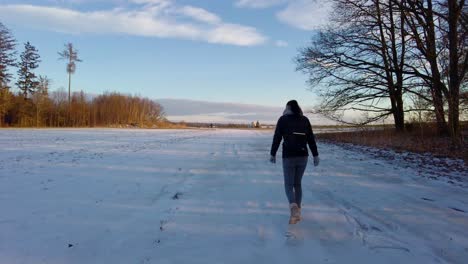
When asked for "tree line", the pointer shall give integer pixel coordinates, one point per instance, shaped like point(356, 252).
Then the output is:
point(392, 58)
point(84, 110)
point(33, 104)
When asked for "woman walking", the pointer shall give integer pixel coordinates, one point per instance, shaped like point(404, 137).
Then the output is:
point(296, 132)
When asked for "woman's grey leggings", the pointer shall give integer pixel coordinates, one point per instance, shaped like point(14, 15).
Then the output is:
point(293, 169)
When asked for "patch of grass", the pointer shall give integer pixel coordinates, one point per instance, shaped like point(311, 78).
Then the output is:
point(420, 138)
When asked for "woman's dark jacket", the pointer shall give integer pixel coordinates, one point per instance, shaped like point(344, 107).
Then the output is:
point(297, 134)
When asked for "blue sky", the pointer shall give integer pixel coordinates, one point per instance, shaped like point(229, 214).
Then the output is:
point(220, 51)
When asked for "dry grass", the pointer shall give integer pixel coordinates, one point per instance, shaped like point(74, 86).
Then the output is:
point(420, 139)
point(170, 125)
point(157, 125)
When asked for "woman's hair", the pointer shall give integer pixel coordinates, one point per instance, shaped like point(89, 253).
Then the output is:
point(295, 108)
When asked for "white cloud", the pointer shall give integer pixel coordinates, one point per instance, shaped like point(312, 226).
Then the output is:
point(81, 2)
point(200, 14)
point(151, 1)
point(306, 14)
point(235, 34)
point(217, 112)
point(259, 3)
point(281, 43)
point(157, 18)
point(302, 14)
point(201, 111)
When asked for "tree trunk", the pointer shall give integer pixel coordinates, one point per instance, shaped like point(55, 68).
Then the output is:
point(454, 79)
point(438, 103)
point(437, 85)
point(400, 113)
point(69, 99)
point(69, 88)
point(397, 115)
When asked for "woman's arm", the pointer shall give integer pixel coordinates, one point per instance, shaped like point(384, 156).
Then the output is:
point(311, 140)
point(276, 139)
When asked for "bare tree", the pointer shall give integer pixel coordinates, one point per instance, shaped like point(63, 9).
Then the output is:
point(109, 109)
point(357, 63)
point(60, 107)
point(376, 53)
point(438, 30)
point(458, 62)
point(70, 54)
point(119, 109)
point(42, 101)
point(5, 103)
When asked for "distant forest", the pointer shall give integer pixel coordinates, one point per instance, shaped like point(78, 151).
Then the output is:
point(109, 110)
point(34, 105)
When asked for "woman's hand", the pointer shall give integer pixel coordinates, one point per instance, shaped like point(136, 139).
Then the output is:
point(273, 159)
point(316, 161)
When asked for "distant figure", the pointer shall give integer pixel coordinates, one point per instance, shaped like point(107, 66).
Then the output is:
point(295, 129)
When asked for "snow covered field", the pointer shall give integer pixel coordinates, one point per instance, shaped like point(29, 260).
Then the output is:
point(210, 196)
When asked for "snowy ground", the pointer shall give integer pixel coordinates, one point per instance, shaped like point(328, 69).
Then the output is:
point(210, 196)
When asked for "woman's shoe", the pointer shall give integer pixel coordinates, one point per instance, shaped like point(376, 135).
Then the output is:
point(295, 214)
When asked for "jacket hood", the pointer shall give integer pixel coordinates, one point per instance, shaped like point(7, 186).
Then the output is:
point(288, 111)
